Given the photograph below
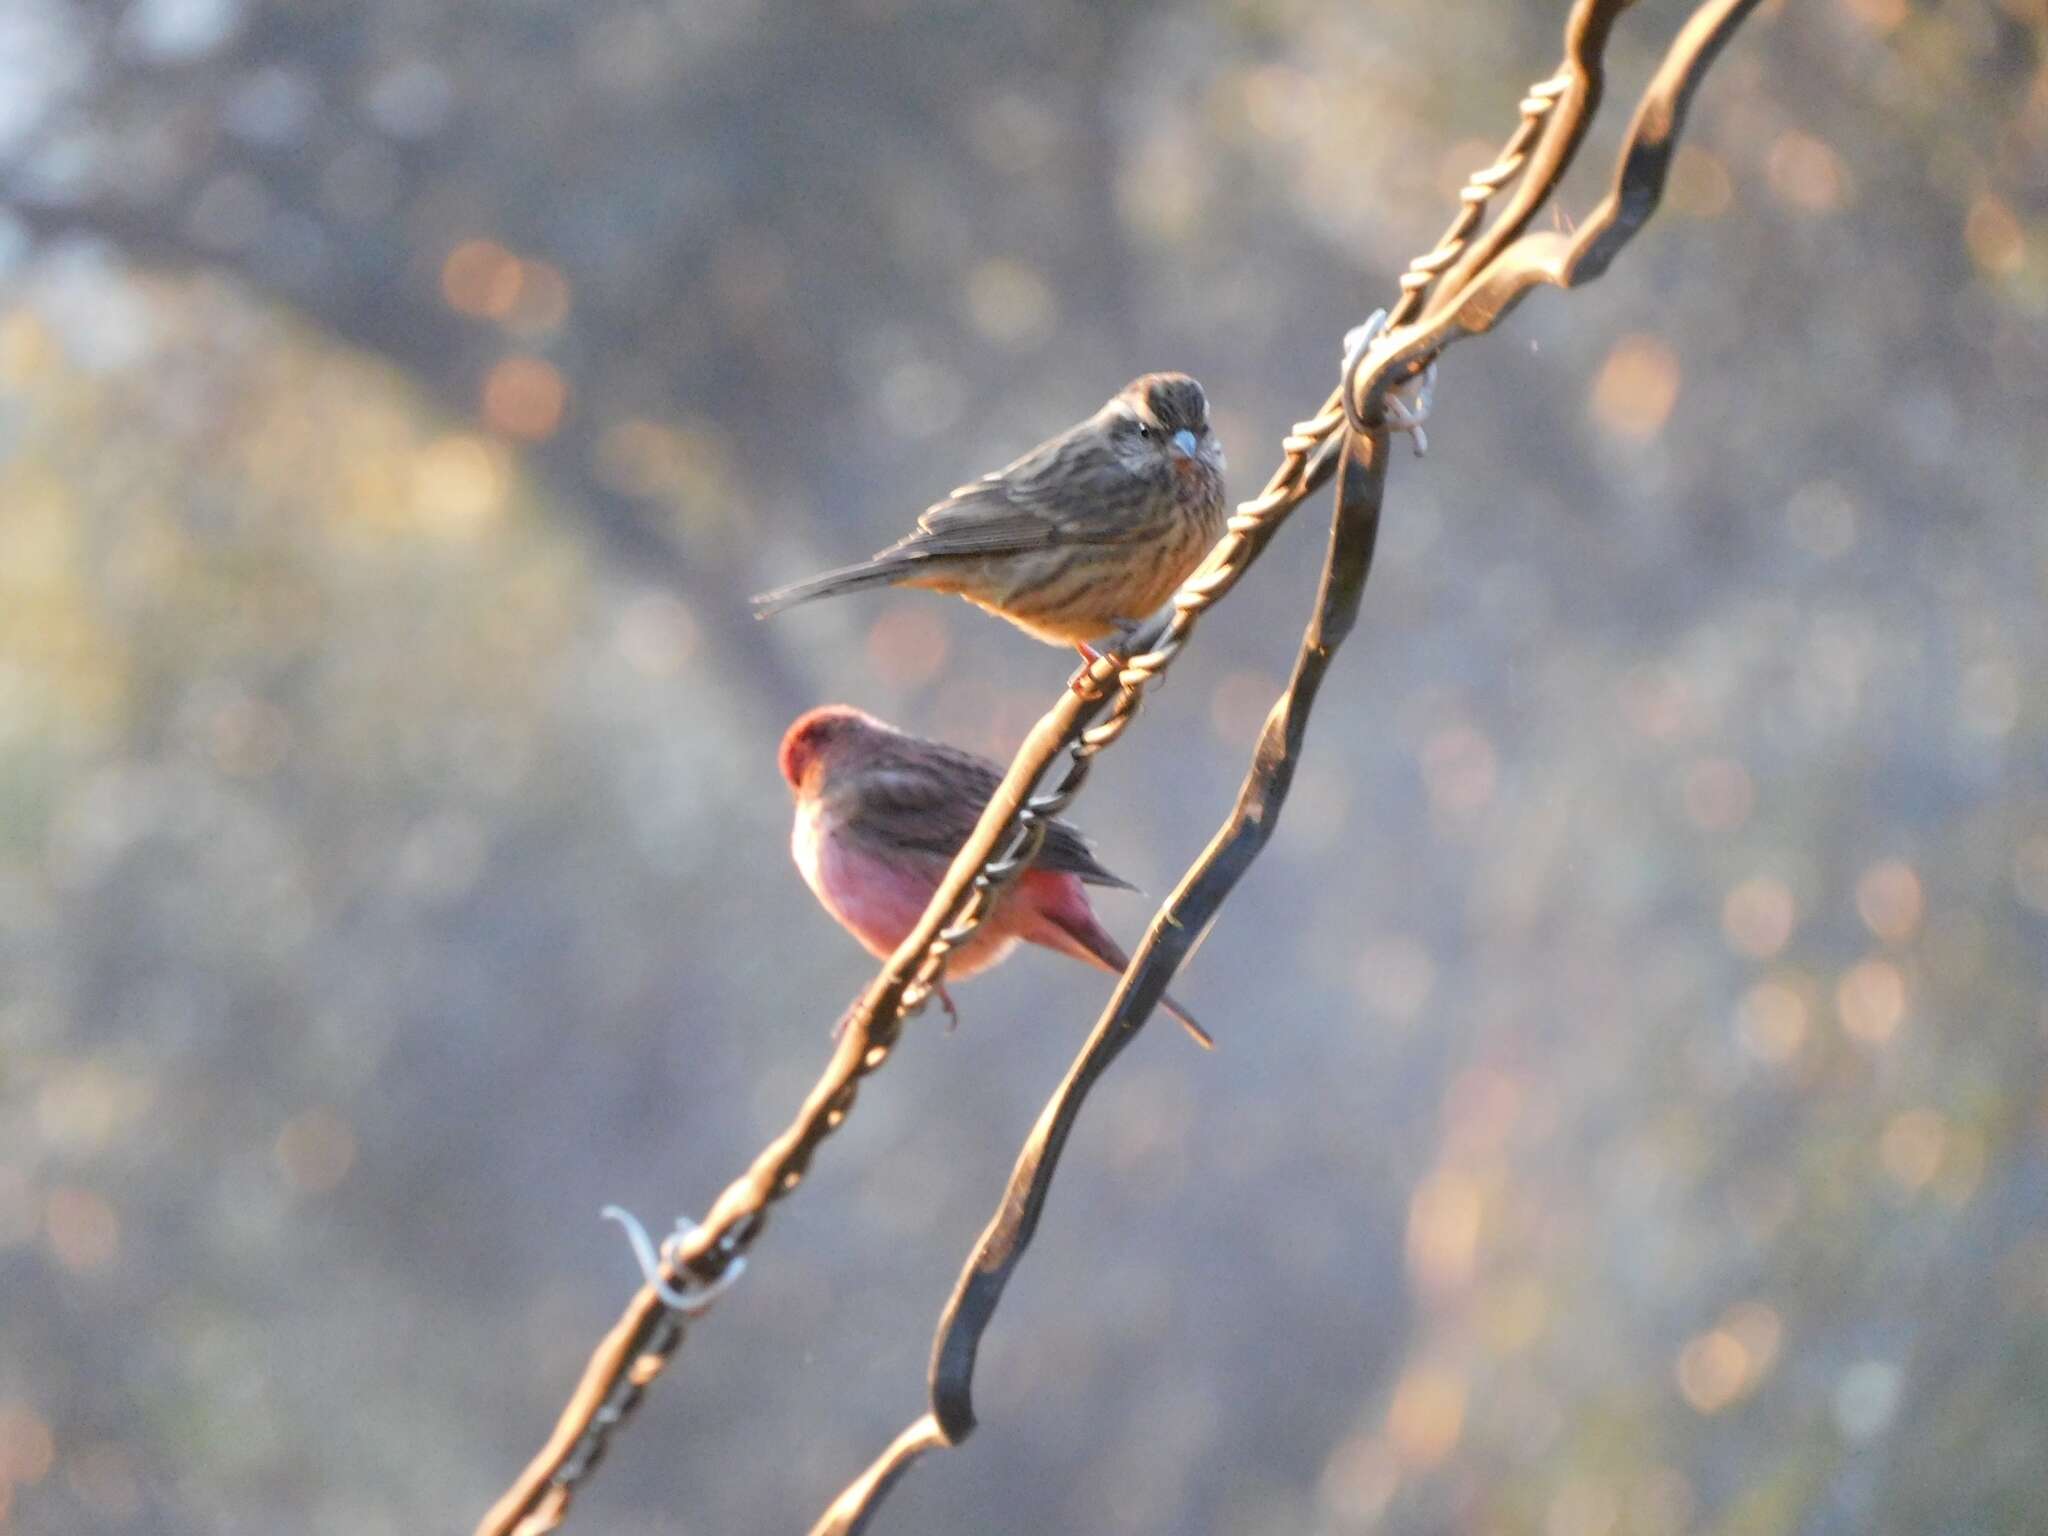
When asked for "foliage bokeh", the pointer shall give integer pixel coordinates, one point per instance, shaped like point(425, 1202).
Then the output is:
point(1631, 1104)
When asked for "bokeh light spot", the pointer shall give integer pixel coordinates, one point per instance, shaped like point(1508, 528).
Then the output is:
point(1866, 1397)
point(26, 1445)
point(1515, 1315)
point(1760, 1330)
point(1663, 1504)
point(1360, 1480)
point(1396, 976)
point(26, 348)
point(917, 397)
point(1806, 173)
point(1758, 917)
point(316, 1150)
point(1871, 999)
point(639, 458)
point(247, 737)
point(1772, 1022)
point(1879, 15)
point(1911, 1146)
point(1162, 190)
point(1285, 104)
point(1427, 1416)
point(1889, 901)
point(1700, 185)
point(1998, 245)
point(1655, 701)
point(1713, 1370)
point(1963, 1161)
point(1444, 1216)
point(525, 397)
point(1460, 770)
point(1582, 1507)
point(1240, 703)
point(907, 644)
point(1719, 794)
point(1636, 387)
point(1988, 702)
point(82, 1228)
point(457, 486)
point(76, 1108)
point(543, 302)
point(1480, 1111)
point(481, 278)
point(656, 634)
point(1010, 303)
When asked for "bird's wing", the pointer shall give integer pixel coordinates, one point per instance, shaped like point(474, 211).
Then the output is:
point(1068, 490)
point(1065, 851)
point(931, 808)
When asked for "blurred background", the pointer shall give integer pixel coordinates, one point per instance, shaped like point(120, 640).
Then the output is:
point(1630, 1114)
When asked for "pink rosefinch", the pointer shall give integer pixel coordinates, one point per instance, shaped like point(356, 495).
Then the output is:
point(1081, 538)
point(879, 817)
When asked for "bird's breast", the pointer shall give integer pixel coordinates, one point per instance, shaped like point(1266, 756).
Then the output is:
point(807, 846)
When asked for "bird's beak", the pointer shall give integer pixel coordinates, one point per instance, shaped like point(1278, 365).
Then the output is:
point(1184, 442)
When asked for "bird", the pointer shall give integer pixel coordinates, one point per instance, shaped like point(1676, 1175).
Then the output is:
point(1080, 539)
point(881, 813)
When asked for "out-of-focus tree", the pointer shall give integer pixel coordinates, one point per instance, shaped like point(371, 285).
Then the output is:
point(396, 403)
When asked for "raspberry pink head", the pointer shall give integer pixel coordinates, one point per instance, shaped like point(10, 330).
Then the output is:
point(815, 739)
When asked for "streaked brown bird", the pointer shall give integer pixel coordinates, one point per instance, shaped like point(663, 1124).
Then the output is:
point(1079, 540)
point(880, 815)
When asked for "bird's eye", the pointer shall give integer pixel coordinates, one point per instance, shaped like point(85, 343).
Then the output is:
point(1145, 431)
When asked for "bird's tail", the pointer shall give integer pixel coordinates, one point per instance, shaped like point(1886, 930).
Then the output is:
point(1088, 942)
point(1185, 1020)
point(850, 578)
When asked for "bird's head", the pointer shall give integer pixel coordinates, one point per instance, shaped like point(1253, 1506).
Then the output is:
point(823, 740)
point(1162, 419)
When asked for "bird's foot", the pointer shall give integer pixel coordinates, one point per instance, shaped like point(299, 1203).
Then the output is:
point(1116, 646)
point(946, 1002)
point(1079, 684)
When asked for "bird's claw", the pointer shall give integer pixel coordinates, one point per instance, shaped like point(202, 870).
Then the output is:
point(1080, 684)
point(1116, 647)
point(946, 1002)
